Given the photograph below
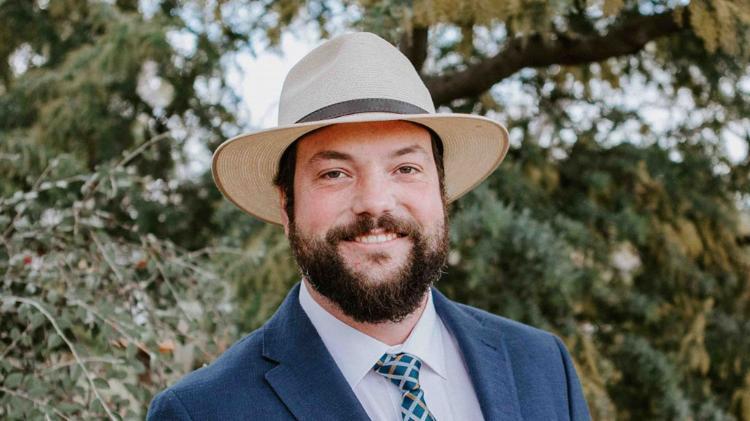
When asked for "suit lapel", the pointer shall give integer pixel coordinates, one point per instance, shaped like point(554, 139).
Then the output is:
point(486, 358)
point(306, 378)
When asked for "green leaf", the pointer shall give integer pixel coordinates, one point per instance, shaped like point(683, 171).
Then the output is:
point(38, 390)
point(101, 383)
point(53, 341)
point(68, 407)
point(37, 319)
point(13, 380)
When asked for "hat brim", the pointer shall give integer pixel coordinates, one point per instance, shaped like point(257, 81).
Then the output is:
point(244, 166)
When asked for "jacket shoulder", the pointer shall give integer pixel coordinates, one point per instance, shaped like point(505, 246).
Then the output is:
point(510, 330)
point(527, 346)
point(541, 365)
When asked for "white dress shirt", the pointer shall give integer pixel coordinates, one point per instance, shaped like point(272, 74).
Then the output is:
point(444, 378)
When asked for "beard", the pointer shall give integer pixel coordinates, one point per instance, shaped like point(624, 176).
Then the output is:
point(363, 299)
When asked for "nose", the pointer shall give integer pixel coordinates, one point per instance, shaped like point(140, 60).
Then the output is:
point(373, 195)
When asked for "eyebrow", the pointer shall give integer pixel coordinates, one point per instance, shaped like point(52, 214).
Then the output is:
point(341, 156)
point(328, 155)
point(409, 149)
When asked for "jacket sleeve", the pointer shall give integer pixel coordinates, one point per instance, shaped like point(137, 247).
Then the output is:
point(576, 402)
point(167, 406)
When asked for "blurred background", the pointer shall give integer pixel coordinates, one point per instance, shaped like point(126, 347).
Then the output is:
point(620, 219)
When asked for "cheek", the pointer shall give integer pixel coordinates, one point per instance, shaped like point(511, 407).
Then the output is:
point(426, 206)
point(316, 213)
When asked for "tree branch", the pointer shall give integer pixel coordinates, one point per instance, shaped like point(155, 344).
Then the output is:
point(626, 38)
point(414, 46)
point(36, 402)
point(72, 349)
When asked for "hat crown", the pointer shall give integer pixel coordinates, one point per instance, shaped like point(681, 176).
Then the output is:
point(350, 67)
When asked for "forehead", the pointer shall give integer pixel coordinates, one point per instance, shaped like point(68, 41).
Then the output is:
point(367, 139)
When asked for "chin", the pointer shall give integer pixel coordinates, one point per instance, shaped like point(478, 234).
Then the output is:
point(378, 270)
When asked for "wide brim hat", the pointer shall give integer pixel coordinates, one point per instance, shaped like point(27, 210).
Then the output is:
point(353, 78)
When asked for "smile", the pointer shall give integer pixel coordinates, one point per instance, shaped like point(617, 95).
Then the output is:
point(380, 238)
point(376, 236)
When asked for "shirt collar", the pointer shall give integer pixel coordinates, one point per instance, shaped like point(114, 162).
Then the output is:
point(426, 340)
point(355, 352)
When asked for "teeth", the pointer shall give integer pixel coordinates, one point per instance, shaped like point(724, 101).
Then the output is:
point(377, 238)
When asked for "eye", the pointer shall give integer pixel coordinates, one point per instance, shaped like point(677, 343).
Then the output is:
point(333, 175)
point(407, 169)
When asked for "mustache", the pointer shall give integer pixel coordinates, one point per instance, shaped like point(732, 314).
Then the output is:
point(363, 224)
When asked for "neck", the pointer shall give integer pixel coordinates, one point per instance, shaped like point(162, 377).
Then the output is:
point(389, 333)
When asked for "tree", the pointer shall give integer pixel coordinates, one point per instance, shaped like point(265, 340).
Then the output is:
point(619, 231)
point(100, 309)
point(98, 315)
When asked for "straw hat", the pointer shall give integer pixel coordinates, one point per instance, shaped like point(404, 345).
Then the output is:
point(353, 78)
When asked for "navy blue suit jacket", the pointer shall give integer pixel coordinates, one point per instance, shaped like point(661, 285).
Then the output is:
point(283, 371)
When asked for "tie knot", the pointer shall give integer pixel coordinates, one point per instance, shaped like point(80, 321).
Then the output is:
point(401, 369)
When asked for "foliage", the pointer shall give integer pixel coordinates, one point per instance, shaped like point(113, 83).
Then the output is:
point(619, 230)
point(636, 265)
point(98, 315)
point(95, 79)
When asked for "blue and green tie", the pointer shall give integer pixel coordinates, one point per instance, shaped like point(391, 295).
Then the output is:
point(403, 371)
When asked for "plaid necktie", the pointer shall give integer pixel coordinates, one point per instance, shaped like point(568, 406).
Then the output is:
point(403, 371)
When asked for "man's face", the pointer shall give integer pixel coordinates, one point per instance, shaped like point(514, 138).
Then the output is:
point(369, 226)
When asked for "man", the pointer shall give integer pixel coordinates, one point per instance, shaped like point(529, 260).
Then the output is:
point(359, 174)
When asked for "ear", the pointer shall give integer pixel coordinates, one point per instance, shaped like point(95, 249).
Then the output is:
point(282, 210)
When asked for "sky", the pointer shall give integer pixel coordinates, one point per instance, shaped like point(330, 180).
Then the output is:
point(258, 81)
